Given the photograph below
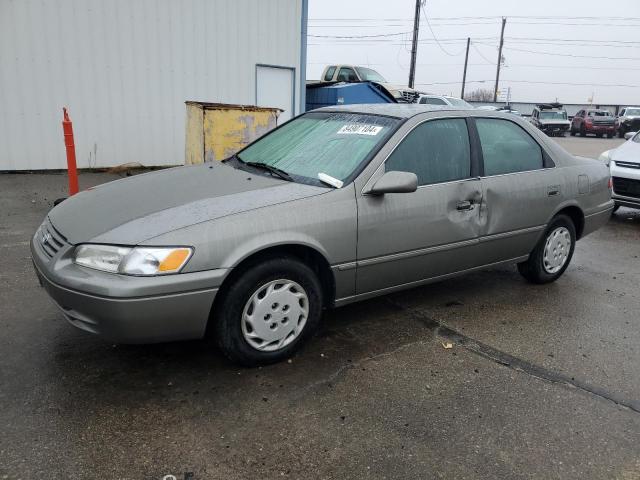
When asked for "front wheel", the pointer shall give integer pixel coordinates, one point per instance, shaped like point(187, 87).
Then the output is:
point(268, 312)
point(551, 256)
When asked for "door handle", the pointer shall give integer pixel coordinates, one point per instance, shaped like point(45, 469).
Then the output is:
point(554, 190)
point(465, 205)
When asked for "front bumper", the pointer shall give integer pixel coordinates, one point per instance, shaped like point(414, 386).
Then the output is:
point(630, 125)
point(600, 128)
point(550, 129)
point(628, 176)
point(126, 309)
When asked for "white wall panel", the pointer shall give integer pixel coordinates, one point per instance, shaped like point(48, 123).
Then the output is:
point(124, 68)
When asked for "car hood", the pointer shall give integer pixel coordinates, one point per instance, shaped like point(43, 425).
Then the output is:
point(629, 151)
point(141, 207)
point(396, 89)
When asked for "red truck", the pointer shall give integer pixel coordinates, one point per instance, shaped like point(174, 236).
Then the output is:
point(598, 122)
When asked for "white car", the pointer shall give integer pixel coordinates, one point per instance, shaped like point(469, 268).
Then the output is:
point(445, 100)
point(624, 165)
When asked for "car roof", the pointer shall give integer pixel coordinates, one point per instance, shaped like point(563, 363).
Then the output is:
point(401, 110)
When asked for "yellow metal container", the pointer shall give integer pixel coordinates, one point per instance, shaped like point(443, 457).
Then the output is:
point(215, 131)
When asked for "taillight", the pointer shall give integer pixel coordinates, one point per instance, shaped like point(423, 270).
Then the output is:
point(610, 183)
point(588, 121)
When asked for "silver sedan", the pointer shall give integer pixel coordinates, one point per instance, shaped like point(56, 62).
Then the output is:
point(337, 205)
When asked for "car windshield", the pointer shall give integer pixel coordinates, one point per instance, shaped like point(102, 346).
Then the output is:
point(632, 112)
point(333, 144)
point(457, 102)
point(547, 115)
point(369, 75)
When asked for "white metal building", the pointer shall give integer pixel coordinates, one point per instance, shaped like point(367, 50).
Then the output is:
point(124, 68)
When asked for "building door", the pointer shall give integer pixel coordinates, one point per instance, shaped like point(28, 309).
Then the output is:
point(274, 88)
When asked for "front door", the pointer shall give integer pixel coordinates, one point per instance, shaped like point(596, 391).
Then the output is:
point(404, 238)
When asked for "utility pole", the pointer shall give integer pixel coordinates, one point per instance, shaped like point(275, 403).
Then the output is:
point(414, 46)
point(464, 73)
point(495, 90)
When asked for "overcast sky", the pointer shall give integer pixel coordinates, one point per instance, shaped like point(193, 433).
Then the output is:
point(597, 54)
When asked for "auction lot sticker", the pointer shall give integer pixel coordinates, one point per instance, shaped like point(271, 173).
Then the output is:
point(359, 129)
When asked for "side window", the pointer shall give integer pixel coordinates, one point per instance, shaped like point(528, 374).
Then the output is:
point(347, 75)
point(507, 148)
point(329, 75)
point(432, 101)
point(436, 151)
point(621, 112)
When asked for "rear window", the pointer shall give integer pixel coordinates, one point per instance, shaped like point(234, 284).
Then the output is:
point(507, 148)
point(599, 113)
point(432, 101)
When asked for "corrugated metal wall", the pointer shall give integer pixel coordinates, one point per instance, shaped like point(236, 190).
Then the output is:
point(125, 68)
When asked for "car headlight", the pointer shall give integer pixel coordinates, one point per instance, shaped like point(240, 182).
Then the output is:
point(604, 157)
point(132, 260)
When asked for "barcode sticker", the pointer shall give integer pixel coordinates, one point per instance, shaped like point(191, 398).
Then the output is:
point(355, 128)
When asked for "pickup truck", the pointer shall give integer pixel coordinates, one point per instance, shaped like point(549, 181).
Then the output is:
point(355, 73)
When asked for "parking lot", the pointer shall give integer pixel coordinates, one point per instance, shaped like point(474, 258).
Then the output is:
point(540, 382)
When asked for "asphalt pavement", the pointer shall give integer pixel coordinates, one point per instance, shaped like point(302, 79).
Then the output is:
point(539, 382)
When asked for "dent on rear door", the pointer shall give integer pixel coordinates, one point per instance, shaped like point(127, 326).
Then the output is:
point(515, 210)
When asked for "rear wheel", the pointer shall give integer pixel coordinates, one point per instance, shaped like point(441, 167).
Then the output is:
point(268, 312)
point(551, 256)
point(582, 131)
point(620, 133)
point(609, 135)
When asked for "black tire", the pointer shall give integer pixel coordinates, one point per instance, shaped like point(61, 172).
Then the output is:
point(572, 132)
point(582, 132)
point(533, 269)
point(227, 316)
point(620, 133)
point(609, 135)
point(599, 135)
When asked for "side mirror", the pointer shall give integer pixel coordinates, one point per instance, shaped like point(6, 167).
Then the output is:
point(628, 135)
point(395, 182)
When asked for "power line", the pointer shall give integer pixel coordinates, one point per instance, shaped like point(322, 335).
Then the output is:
point(436, 39)
point(489, 62)
point(491, 17)
point(537, 82)
point(361, 36)
point(566, 54)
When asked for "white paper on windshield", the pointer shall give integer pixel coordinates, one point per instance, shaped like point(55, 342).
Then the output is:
point(359, 129)
point(334, 182)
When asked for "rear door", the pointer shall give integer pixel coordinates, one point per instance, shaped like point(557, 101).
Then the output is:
point(409, 237)
point(521, 189)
